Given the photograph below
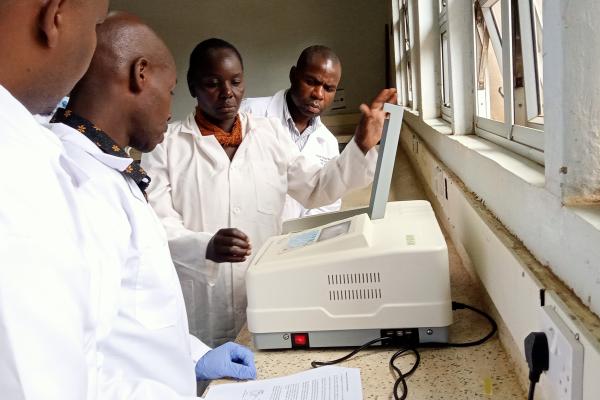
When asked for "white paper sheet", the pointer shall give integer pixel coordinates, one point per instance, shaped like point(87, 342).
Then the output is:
point(325, 383)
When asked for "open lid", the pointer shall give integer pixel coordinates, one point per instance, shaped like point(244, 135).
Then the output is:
point(381, 183)
point(385, 162)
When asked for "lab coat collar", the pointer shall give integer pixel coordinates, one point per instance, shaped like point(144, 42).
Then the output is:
point(14, 112)
point(68, 134)
point(13, 108)
point(189, 125)
point(276, 106)
point(319, 134)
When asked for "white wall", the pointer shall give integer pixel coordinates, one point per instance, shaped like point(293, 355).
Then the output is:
point(270, 34)
point(571, 65)
point(510, 275)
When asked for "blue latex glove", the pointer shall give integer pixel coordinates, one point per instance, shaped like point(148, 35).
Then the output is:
point(228, 360)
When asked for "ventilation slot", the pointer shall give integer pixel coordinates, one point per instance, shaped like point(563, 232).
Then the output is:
point(355, 294)
point(353, 279)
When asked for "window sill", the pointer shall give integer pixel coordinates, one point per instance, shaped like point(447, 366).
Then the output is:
point(436, 132)
point(589, 214)
point(442, 126)
point(410, 112)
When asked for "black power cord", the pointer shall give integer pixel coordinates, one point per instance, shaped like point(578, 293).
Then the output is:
point(402, 376)
point(461, 306)
point(401, 380)
point(538, 358)
point(317, 364)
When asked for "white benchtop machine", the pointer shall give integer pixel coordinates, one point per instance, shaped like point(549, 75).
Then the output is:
point(378, 273)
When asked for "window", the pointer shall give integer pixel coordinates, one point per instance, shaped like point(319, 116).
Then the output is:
point(404, 47)
point(508, 70)
point(446, 82)
point(488, 68)
point(529, 111)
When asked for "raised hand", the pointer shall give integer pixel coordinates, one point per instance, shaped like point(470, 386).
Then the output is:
point(229, 245)
point(370, 128)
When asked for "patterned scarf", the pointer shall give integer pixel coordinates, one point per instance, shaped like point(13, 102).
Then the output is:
point(104, 142)
point(231, 139)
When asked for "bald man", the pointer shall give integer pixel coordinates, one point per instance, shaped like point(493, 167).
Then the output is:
point(47, 330)
point(313, 84)
point(123, 101)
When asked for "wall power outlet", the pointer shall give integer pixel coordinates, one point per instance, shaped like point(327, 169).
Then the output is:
point(564, 378)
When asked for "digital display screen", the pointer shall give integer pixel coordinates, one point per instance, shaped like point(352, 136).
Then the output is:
point(334, 231)
point(302, 239)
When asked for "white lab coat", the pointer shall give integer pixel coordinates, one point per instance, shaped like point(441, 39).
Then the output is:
point(47, 324)
point(321, 146)
point(196, 190)
point(144, 346)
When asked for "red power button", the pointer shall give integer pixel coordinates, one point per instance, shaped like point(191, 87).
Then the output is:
point(300, 340)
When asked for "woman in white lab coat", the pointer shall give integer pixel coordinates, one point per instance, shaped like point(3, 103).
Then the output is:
point(220, 172)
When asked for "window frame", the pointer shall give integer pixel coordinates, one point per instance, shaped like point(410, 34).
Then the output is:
point(501, 38)
point(404, 47)
point(446, 111)
point(529, 43)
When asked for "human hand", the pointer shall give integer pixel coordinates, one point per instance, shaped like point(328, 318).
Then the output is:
point(228, 360)
point(228, 245)
point(370, 128)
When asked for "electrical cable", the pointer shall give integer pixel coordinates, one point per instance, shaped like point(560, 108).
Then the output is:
point(531, 391)
point(401, 379)
point(402, 376)
point(316, 364)
point(460, 306)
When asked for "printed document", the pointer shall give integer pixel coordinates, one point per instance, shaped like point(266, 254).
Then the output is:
point(325, 383)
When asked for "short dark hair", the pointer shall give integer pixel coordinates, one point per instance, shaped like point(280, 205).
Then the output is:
point(200, 55)
point(316, 50)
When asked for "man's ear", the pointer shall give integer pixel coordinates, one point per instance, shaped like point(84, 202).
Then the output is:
point(292, 75)
point(51, 21)
point(139, 74)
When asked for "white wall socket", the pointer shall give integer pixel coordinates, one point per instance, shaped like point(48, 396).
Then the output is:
point(564, 378)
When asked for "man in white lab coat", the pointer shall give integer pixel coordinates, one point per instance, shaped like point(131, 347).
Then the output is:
point(47, 329)
point(313, 84)
point(143, 339)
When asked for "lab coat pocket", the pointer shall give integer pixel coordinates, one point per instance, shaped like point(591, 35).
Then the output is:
point(270, 188)
point(156, 301)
